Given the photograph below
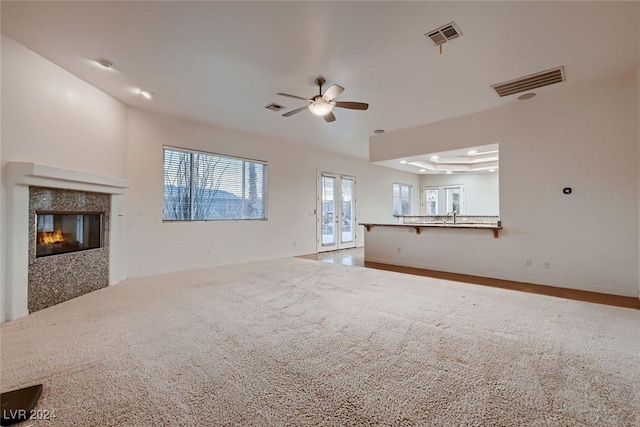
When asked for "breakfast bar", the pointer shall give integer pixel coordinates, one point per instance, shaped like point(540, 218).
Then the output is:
point(420, 223)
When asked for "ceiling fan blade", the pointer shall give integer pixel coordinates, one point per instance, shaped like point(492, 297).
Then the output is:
point(293, 96)
point(292, 112)
point(351, 105)
point(332, 92)
point(329, 117)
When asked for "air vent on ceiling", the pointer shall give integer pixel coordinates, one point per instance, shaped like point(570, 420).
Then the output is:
point(444, 34)
point(274, 107)
point(530, 82)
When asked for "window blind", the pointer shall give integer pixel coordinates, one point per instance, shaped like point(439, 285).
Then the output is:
point(203, 186)
point(401, 199)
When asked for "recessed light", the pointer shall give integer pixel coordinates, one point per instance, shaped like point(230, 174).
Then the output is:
point(472, 152)
point(146, 94)
point(435, 157)
point(526, 96)
point(423, 170)
point(378, 131)
point(404, 162)
point(105, 63)
point(492, 170)
point(449, 172)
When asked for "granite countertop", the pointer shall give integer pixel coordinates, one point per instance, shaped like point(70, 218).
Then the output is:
point(495, 227)
point(437, 225)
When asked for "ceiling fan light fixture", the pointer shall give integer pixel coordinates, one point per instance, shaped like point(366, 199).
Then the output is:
point(323, 103)
point(320, 108)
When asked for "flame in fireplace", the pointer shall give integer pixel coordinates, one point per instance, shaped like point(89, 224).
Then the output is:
point(49, 237)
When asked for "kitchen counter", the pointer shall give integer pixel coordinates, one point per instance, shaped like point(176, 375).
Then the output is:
point(495, 227)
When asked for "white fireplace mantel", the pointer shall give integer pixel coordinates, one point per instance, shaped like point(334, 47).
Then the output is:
point(34, 174)
point(18, 177)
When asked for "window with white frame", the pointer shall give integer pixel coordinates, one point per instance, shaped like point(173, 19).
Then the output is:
point(454, 199)
point(204, 186)
point(402, 199)
point(431, 197)
point(444, 200)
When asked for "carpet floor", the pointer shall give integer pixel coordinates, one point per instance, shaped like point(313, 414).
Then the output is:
point(293, 342)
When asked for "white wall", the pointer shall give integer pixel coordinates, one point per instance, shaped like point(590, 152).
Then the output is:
point(53, 118)
point(4, 304)
point(481, 196)
point(585, 138)
point(156, 247)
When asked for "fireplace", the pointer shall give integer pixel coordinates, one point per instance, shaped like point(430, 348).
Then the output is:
point(34, 281)
point(59, 233)
point(69, 245)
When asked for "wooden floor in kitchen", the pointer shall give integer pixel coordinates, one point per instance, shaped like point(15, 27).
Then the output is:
point(355, 256)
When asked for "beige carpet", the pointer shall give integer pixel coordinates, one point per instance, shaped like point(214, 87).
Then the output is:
point(298, 342)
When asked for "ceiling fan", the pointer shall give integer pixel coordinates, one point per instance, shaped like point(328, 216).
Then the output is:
point(323, 103)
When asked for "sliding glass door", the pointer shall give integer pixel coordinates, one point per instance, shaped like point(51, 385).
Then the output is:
point(336, 211)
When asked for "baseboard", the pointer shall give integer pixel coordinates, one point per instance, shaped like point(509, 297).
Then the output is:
point(8, 317)
point(510, 277)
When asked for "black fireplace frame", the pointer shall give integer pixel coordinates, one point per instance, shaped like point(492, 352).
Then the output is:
point(48, 212)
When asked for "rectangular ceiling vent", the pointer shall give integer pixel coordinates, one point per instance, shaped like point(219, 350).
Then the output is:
point(444, 34)
point(530, 82)
point(274, 107)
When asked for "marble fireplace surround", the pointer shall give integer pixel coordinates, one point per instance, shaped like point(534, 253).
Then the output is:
point(19, 176)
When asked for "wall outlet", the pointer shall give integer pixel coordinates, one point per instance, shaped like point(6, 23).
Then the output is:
point(547, 264)
point(528, 262)
point(399, 250)
point(294, 244)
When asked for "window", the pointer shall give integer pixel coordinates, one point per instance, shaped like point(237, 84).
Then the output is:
point(401, 199)
point(431, 195)
point(202, 186)
point(454, 200)
point(444, 199)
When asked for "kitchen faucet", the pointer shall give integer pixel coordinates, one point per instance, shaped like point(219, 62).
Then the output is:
point(453, 213)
